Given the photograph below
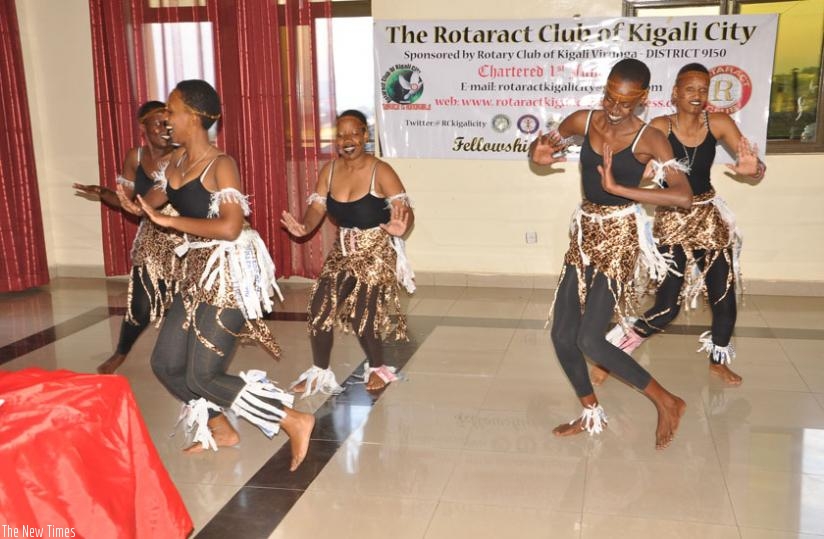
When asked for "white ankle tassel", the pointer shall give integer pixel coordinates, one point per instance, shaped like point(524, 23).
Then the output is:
point(719, 354)
point(593, 419)
point(253, 403)
point(195, 417)
point(318, 380)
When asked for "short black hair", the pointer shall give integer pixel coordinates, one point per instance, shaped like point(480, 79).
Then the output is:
point(632, 70)
point(695, 66)
point(201, 97)
point(148, 107)
point(354, 113)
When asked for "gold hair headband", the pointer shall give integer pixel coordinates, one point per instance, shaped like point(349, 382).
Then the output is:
point(627, 96)
point(149, 113)
point(198, 112)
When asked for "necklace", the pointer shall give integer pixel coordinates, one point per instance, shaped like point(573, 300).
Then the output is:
point(191, 166)
point(690, 159)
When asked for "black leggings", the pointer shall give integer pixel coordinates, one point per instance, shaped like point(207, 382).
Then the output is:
point(721, 299)
point(321, 341)
point(575, 334)
point(186, 367)
point(140, 307)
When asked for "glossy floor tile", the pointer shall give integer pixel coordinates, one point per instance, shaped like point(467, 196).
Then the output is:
point(462, 445)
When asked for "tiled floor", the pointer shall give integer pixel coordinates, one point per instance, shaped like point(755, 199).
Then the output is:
point(463, 446)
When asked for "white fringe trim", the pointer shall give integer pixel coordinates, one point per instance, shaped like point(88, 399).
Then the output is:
point(403, 269)
point(253, 403)
point(719, 354)
point(593, 419)
point(402, 197)
point(661, 169)
point(737, 237)
point(318, 381)
point(228, 195)
point(314, 197)
point(159, 176)
point(195, 416)
point(246, 264)
point(129, 184)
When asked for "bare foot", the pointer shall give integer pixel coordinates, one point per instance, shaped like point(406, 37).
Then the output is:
point(726, 374)
point(569, 429)
point(298, 426)
point(598, 375)
point(223, 432)
point(299, 388)
point(111, 364)
point(375, 382)
point(670, 412)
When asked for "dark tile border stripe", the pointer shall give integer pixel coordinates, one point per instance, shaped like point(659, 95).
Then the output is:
point(336, 419)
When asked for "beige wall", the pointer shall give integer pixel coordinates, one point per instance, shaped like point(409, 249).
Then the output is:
point(471, 215)
point(56, 39)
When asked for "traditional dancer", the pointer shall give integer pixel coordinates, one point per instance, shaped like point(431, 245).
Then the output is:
point(611, 243)
point(227, 288)
point(151, 281)
point(703, 240)
point(358, 286)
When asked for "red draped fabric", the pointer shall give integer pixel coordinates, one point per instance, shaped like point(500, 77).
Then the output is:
point(22, 245)
point(116, 49)
point(78, 461)
point(265, 71)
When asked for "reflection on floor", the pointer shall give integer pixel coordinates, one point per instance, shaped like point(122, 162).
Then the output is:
point(463, 446)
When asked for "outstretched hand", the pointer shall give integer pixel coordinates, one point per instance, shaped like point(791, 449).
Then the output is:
point(746, 162)
point(607, 179)
point(292, 225)
point(93, 189)
point(546, 148)
point(398, 221)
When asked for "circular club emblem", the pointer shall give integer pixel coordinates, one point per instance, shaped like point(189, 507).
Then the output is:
point(730, 89)
point(501, 122)
point(528, 124)
point(402, 84)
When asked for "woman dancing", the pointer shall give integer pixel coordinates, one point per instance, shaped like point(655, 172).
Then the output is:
point(151, 281)
point(703, 240)
point(610, 243)
point(227, 288)
point(358, 286)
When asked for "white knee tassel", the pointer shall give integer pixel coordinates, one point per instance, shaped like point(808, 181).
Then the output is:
point(254, 402)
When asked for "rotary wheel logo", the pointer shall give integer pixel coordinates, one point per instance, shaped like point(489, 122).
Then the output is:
point(730, 89)
point(402, 84)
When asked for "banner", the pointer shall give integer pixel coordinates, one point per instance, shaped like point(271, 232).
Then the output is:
point(483, 89)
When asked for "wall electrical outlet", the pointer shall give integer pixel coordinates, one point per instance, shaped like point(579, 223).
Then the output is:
point(531, 237)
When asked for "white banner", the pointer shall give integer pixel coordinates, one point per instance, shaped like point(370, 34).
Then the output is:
point(483, 89)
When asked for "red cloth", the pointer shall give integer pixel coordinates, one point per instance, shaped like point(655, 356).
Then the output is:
point(75, 453)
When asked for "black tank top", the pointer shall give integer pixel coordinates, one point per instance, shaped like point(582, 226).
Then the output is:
point(626, 169)
point(142, 182)
point(702, 157)
point(368, 211)
point(192, 199)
